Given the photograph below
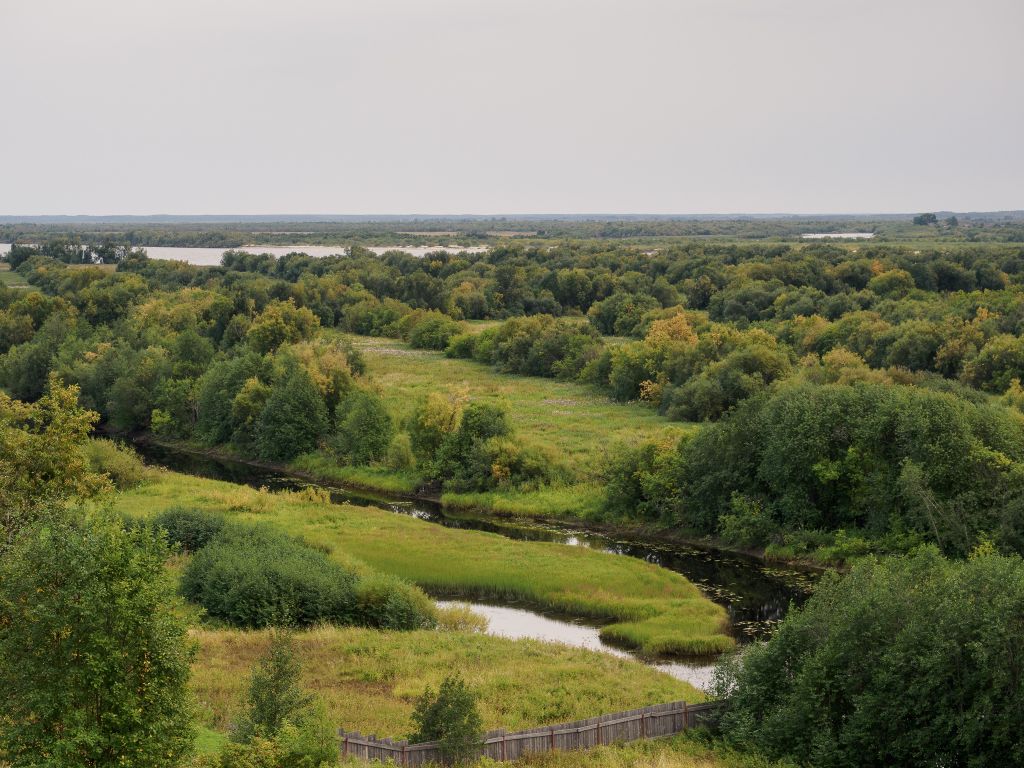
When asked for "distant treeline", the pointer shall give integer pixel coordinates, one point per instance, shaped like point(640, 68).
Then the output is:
point(219, 233)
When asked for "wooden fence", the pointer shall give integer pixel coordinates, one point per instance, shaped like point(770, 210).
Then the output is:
point(647, 723)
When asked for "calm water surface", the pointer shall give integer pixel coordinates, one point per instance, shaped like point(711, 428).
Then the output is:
point(210, 257)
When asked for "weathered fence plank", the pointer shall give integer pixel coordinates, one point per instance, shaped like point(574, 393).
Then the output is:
point(647, 723)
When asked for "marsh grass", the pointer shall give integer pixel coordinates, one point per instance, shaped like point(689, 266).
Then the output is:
point(655, 610)
point(369, 680)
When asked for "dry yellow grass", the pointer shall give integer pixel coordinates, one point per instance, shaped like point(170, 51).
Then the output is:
point(369, 679)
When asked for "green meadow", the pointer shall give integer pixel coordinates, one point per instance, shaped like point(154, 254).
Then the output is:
point(648, 608)
point(576, 424)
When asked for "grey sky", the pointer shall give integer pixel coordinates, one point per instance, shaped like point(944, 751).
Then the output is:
point(510, 106)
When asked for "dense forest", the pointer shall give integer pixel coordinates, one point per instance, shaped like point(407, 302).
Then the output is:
point(852, 397)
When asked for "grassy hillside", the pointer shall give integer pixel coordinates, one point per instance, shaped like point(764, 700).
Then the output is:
point(654, 610)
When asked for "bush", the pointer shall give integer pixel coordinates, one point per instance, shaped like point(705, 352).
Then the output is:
point(275, 696)
point(189, 529)
point(451, 718)
point(911, 660)
point(252, 577)
point(94, 657)
point(119, 462)
point(461, 346)
point(432, 330)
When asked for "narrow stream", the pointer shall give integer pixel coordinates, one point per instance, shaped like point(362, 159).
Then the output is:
point(755, 595)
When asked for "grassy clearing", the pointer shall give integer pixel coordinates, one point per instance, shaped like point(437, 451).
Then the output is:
point(369, 680)
point(576, 424)
point(655, 610)
point(12, 279)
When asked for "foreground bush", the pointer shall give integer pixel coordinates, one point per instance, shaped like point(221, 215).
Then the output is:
point(94, 660)
point(913, 660)
point(253, 577)
point(451, 718)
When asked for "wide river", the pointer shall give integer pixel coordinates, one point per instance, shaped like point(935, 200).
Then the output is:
point(756, 596)
point(210, 257)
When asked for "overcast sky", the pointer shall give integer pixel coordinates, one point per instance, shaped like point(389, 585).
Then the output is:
point(510, 106)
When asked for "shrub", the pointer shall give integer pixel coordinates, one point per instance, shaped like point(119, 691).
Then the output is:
point(451, 718)
point(432, 330)
point(400, 455)
point(747, 523)
point(190, 529)
point(94, 658)
point(274, 696)
point(252, 577)
point(461, 346)
point(913, 660)
point(118, 462)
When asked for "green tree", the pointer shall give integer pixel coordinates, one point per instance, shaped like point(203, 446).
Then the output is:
point(294, 418)
point(451, 718)
point(365, 428)
point(275, 696)
point(94, 659)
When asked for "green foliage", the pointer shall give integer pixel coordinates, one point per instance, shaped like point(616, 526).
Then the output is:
point(747, 523)
point(217, 389)
point(43, 458)
point(912, 660)
point(252, 577)
point(451, 718)
point(365, 428)
point(189, 528)
point(281, 322)
point(882, 459)
point(94, 660)
point(275, 696)
point(117, 461)
point(293, 419)
point(541, 345)
point(431, 330)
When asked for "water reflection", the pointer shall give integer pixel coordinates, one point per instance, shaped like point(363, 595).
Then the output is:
point(519, 623)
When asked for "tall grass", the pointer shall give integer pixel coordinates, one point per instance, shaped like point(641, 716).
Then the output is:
point(655, 610)
point(369, 680)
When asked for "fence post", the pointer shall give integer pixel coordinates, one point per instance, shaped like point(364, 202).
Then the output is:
point(504, 736)
point(552, 738)
point(346, 745)
point(405, 756)
point(643, 725)
point(686, 716)
point(599, 741)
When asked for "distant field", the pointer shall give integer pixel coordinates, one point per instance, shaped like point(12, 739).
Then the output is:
point(11, 278)
point(578, 423)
